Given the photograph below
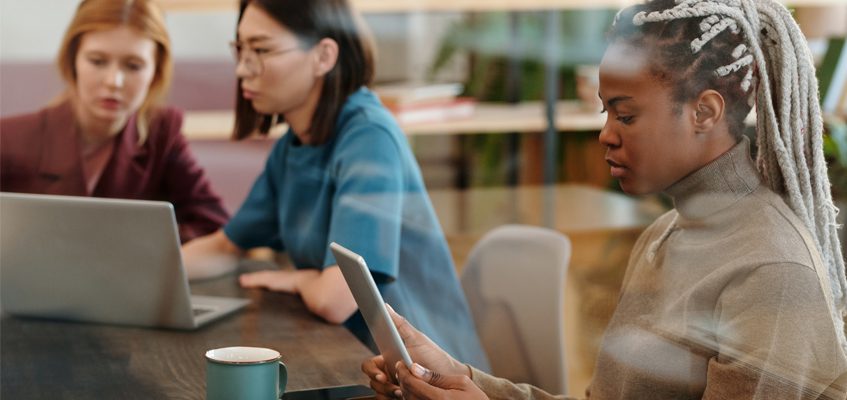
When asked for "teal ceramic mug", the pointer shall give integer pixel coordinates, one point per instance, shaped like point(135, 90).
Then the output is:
point(244, 373)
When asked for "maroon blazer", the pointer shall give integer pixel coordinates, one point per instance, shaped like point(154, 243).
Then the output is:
point(40, 153)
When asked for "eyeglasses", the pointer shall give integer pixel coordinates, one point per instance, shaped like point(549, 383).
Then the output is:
point(252, 57)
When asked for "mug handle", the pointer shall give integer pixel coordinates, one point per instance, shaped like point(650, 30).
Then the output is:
point(283, 378)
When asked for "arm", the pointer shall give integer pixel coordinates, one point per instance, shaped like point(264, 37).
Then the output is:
point(775, 337)
point(199, 211)
point(210, 256)
point(325, 293)
point(438, 375)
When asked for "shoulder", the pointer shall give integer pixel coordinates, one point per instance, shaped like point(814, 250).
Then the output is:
point(772, 231)
point(26, 132)
point(364, 117)
point(166, 121)
point(27, 123)
point(369, 135)
point(656, 229)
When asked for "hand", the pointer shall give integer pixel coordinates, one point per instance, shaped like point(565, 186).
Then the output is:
point(210, 256)
point(424, 384)
point(375, 369)
point(421, 349)
point(424, 351)
point(287, 281)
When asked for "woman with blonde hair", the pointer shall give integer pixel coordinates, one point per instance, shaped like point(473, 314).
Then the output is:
point(105, 136)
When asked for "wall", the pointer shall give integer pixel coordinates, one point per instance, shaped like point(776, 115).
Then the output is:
point(203, 76)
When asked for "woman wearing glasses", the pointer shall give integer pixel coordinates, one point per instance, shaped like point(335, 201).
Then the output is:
point(343, 173)
point(105, 137)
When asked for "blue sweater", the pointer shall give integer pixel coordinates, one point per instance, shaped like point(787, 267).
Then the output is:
point(362, 189)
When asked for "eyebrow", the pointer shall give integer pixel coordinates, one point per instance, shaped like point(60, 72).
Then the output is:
point(258, 38)
point(615, 100)
point(101, 53)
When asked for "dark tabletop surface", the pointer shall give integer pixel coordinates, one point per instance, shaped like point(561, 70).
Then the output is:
point(42, 359)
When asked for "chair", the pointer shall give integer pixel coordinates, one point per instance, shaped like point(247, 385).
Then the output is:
point(514, 283)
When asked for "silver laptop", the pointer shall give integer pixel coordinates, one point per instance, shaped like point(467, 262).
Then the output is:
point(98, 260)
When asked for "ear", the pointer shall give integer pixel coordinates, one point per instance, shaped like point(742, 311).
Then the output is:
point(326, 55)
point(708, 111)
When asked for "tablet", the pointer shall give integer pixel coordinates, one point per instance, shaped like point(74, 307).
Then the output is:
point(370, 302)
point(352, 392)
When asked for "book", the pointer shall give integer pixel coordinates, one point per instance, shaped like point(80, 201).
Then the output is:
point(434, 111)
point(404, 94)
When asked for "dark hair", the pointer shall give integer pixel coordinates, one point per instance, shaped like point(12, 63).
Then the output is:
point(311, 21)
point(674, 63)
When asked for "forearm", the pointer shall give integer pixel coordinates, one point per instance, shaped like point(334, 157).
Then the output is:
point(326, 294)
point(210, 256)
point(499, 388)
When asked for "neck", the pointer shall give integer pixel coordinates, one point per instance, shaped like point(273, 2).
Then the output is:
point(715, 145)
point(300, 118)
point(96, 131)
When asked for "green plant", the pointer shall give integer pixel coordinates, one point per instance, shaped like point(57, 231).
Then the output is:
point(487, 39)
point(835, 150)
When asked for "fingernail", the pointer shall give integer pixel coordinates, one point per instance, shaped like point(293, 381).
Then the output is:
point(380, 377)
point(419, 370)
point(398, 393)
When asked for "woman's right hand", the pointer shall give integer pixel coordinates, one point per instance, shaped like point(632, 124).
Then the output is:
point(210, 256)
point(421, 349)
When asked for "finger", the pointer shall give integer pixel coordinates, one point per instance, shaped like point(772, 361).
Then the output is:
point(251, 280)
point(440, 380)
point(404, 328)
point(393, 394)
point(374, 368)
point(416, 388)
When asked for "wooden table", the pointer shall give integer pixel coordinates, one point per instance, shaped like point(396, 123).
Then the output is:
point(64, 360)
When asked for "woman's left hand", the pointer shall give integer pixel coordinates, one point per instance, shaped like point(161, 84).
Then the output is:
point(429, 385)
point(288, 281)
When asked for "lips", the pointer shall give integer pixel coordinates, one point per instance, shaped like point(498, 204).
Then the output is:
point(248, 94)
point(617, 169)
point(109, 103)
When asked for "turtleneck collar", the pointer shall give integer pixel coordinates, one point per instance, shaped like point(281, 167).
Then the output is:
point(718, 185)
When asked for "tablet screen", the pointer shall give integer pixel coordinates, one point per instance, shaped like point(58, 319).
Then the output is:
point(372, 307)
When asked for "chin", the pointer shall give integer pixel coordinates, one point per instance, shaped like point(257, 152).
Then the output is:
point(110, 115)
point(262, 108)
point(633, 188)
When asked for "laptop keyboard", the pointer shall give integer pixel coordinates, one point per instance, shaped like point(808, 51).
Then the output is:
point(200, 311)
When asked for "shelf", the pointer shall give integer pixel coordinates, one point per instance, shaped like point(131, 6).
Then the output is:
point(397, 6)
point(487, 118)
point(389, 6)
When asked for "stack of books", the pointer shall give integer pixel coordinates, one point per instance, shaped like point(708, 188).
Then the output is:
point(423, 103)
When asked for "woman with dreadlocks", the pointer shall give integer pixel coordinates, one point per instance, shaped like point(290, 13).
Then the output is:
point(739, 292)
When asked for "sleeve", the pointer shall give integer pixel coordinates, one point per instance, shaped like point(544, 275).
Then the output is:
point(367, 203)
point(199, 210)
point(256, 224)
point(776, 339)
point(503, 389)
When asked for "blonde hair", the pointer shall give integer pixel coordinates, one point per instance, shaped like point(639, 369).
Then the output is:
point(141, 15)
point(756, 55)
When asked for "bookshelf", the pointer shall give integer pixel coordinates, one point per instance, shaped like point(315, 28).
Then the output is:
point(488, 118)
point(398, 6)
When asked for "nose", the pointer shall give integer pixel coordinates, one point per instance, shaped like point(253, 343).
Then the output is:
point(608, 136)
point(115, 77)
point(241, 69)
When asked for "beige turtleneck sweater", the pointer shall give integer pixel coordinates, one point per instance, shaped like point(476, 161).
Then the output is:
point(725, 297)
